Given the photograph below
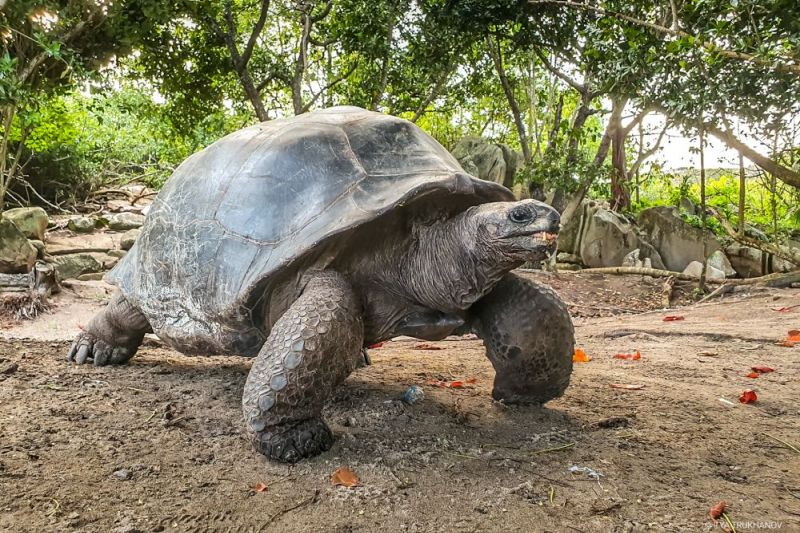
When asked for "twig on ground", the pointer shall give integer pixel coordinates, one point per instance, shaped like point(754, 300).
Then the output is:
point(722, 289)
point(548, 450)
point(788, 445)
point(728, 521)
point(307, 501)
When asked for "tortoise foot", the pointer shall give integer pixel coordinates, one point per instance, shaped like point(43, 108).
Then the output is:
point(88, 347)
point(291, 443)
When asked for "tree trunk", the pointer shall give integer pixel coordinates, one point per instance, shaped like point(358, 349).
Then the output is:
point(742, 191)
point(620, 197)
point(785, 174)
point(497, 59)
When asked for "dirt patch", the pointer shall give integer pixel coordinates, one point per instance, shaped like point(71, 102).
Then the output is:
point(157, 445)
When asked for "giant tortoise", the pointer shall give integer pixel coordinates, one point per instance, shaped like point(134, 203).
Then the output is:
point(301, 241)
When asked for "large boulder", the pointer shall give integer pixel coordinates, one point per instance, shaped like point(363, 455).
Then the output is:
point(17, 255)
point(676, 241)
point(31, 221)
point(486, 160)
point(71, 266)
point(81, 224)
point(607, 239)
point(748, 262)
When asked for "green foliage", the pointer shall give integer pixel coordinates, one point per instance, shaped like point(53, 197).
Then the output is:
point(79, 142)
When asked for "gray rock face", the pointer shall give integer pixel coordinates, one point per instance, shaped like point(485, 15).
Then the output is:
point(81, 224)
point(719, 261)
point(129, 238)
point(695, 268)
point(488, 161)
point(17, 255)
point(31, 221)
point(125, 221)
point(677, 242)
point(746, 261)
point(607, 239)
point(73, 265)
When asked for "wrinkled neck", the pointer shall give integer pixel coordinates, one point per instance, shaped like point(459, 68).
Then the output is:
point(451, 264)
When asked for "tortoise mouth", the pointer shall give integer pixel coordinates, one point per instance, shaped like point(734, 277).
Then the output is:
point(545, 237)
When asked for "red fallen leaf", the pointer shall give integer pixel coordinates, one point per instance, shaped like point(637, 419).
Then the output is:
point(632, 356)
point(344, 477)
point(376, 345)
point(752, 375)
point(716, 511)
point(579, 356)
point(748, 396)
point(428, 346)
point(673, 318)
point(625, 387)
point(785, 309)
point(451, 384)
point(762, 369)
point(794, 335)
point(260, 487)
point(787, 344)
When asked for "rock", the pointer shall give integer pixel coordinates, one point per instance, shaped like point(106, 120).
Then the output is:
point(17, 254)
point(128, 238)
point(677, 242)
point(607, 239)
point(632, 259)
point(73, 265)
point(8, 368)
point(81, 224)
point(92, 276)
point(488, 161)
point(31, 221)
point(568, 258)
point(714, 273)
point(125, 221)
point(695, 268)
point(122, 474)
point(649, 254)
point(746, 261)
point(719, 261)
point(40, 248)
point(117, 253)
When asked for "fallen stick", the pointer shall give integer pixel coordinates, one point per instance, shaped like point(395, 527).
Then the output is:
point(722, 289)
point(777, 279)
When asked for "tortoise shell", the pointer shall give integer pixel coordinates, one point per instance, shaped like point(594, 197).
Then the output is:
point(251, 206)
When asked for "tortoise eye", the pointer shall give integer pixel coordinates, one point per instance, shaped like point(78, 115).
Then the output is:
point(520, 215)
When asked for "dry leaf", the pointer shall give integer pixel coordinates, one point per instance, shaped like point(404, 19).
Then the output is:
point(344, 477)
point(716, 511)
point(579, 356)
point(632, 356)
point(451, 384)
point(752, 375)
point(785, 309)
point(428, 346)
point(673, 318)
point(376, 345)
point(794, 336)
point(260, 487)
point(625, 387)
point(748, 396)
point(762, 369)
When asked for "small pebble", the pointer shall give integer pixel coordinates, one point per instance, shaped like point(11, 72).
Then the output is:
point(413, 395)
point(122, 474)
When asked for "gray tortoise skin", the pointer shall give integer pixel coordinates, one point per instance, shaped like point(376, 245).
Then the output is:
point(301, 241)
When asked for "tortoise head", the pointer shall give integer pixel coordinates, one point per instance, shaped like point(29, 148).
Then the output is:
point(518, 231)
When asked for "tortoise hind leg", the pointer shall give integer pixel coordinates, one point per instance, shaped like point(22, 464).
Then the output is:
point(311, 349)
point(529, 339)
point(112, 336)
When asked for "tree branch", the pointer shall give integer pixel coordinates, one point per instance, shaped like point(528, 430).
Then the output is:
point(329, 86)
point(257, 29)
point(582, 89)
point(709, 46)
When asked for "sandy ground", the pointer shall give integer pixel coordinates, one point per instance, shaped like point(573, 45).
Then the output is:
point(158, 445)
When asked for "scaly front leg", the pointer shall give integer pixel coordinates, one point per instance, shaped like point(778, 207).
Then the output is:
point(529, 339)
point(311, 349)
